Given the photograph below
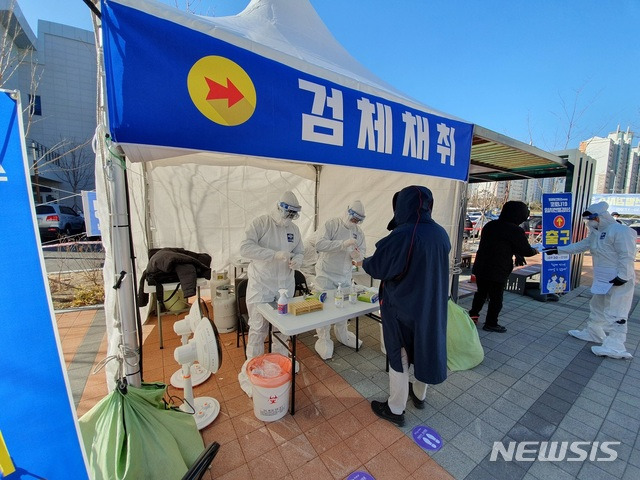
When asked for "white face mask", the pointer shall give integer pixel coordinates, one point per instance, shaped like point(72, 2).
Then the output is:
point(593, 224)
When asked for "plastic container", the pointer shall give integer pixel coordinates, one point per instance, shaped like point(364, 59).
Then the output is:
point(270, 377)
point(318, 295)
point(339, 297)
point(353, 294)
point(283, 302)
point(174, 301)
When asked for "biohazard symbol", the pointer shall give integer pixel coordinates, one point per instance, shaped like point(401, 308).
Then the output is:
point(221, 90)
point(559, 221)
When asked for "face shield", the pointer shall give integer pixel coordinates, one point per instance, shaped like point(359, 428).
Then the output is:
point(591, 220)
point(289, 212)
point(354, 217)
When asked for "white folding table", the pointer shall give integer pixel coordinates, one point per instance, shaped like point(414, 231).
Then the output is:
point(292, 325)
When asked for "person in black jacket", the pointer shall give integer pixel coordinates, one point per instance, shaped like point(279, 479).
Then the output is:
point(501, 239)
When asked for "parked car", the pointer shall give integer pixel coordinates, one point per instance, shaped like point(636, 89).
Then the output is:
point(468, 226)
point(56, 220)
point(535, 224)
point(636, 227)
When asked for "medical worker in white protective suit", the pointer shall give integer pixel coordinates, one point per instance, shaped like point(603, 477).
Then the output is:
point(310, 259)
point(613, 248)
point(339, 243)
point(274, 246)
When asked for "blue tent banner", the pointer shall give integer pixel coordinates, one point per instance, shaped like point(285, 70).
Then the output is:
point(623, 203)
point(39, 435)
point(556, 231)
point(169, 85)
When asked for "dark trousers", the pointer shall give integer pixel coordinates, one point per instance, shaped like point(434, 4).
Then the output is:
point(492, 290)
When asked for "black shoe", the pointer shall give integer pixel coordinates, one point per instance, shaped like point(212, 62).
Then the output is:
point(419, 404)
point(382, 410)
point(494, 328)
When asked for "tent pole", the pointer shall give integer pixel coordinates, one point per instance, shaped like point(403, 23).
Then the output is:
point(455, 279)
point(123, 268)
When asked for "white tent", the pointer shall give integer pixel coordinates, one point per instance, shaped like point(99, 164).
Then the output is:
point(218, 116)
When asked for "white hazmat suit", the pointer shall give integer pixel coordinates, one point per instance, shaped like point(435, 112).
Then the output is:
point(274, 246)
point(339, 243)
point(613, 249)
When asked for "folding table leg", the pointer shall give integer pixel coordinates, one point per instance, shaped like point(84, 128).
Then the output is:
point(159, 313)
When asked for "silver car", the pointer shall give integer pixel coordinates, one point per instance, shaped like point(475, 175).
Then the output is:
point(57, 220)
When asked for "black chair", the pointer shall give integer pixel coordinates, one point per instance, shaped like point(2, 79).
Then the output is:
point(202, 463)
point(242, 313)
point(301, 284)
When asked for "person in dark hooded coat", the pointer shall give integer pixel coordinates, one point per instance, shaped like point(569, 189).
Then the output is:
point(413, 264)
point(501, 240)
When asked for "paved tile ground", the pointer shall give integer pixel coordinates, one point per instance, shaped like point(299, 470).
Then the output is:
point(536, 384)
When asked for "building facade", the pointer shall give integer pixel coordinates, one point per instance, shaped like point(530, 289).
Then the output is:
point(55, 72)
point(617, 164)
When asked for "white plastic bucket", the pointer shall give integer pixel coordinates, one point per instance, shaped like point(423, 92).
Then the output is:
point(270, 394)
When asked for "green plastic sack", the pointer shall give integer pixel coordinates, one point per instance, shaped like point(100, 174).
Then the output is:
point(133, 436)
point(464, 350)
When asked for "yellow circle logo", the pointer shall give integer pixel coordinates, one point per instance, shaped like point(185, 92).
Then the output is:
point(221, 90)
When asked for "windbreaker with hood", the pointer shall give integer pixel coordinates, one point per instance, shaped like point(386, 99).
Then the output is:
point(500, 240)
point(413, 264)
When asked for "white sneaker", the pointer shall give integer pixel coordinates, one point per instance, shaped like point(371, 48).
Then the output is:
point(584, 335)
point(602, 351)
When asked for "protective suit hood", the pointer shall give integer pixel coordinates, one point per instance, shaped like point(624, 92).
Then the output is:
point(600, 208)
point(514, 212)
point(413, 204)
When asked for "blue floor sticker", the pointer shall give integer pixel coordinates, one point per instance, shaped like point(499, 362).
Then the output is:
point(427, 438)
point(360, 476)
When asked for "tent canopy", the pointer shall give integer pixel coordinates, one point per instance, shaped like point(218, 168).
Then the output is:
point(269, 82)
point(496, 157)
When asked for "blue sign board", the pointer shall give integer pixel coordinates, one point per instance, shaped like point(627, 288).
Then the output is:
point(169, 85)
point(623, 203)
point(556, 231)
point(39, 435)
point(90, 207)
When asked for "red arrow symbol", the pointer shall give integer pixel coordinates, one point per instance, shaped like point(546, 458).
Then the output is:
point(219, 92)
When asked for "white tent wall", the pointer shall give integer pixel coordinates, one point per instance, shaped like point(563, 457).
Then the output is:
point(339, 186)
point(207, 208)
point(202, 200)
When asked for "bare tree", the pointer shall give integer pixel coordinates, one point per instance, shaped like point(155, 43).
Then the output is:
point(75, 167)
point(13, 58)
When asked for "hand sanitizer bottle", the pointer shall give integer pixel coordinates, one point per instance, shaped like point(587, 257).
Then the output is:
point(353, 296)
point(283, 302)
point(339, 298)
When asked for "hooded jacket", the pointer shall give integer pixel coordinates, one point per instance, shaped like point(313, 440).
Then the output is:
point(413, 264)
point(500, 240)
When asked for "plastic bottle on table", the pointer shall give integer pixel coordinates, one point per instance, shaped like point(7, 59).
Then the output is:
point(339, 297)
point(283, 302)
point(353, 295)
